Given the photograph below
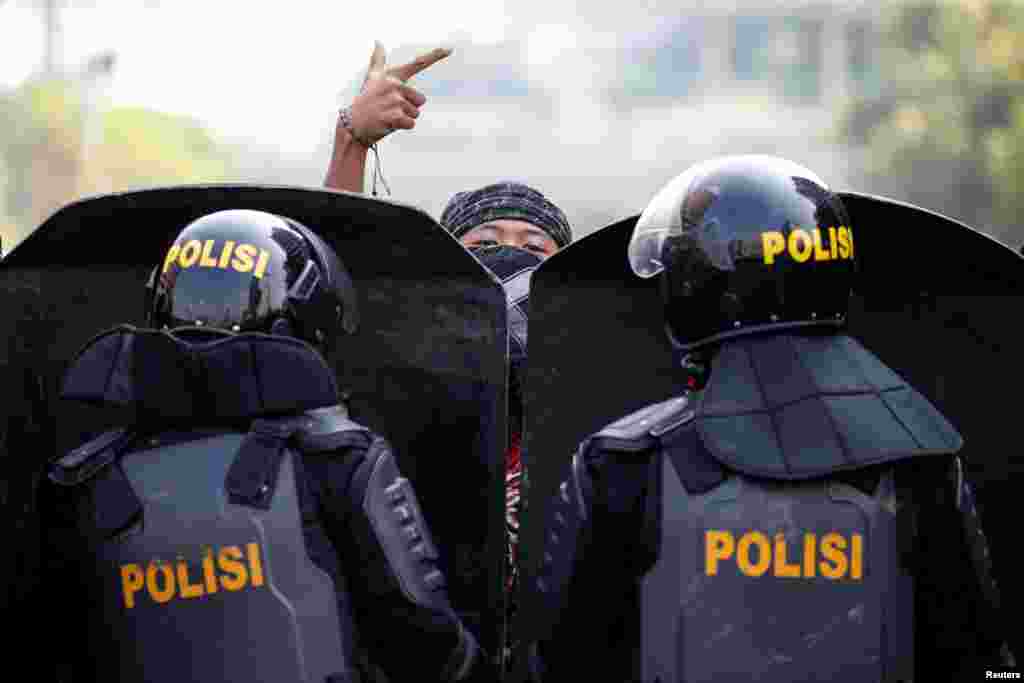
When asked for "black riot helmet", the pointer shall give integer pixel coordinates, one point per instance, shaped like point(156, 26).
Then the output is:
point(251, 271)
point(746, 244)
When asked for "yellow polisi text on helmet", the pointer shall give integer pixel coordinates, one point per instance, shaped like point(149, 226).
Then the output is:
point(831, 555)
point(243, 258)
point(806, 245)
point(228, 569)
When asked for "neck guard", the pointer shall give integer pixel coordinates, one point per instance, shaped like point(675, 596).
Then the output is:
point(161, 376)
point(791, 406)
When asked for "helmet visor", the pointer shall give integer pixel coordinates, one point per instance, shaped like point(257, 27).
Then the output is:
point(662, 219)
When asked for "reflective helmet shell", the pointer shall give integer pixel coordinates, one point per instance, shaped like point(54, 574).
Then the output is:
point(249, 271)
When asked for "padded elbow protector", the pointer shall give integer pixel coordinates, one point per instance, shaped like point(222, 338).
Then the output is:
point(397, 522)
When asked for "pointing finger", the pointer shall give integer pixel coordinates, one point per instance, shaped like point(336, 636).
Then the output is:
point(407, 71)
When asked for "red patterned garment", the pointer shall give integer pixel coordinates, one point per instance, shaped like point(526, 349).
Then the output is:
point(513, 478)
point(513, 482)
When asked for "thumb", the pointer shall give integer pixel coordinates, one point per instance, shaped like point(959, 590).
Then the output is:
point(378, 60)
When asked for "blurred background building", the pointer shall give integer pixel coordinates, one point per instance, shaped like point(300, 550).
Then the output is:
point(596, 106)
point(601, 118)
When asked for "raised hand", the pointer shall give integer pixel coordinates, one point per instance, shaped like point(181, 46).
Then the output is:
point(386, 102)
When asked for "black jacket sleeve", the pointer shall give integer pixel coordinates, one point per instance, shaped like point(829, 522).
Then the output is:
point(587, 589)
point(407, 640)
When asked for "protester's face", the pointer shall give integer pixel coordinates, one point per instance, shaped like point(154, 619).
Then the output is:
point(511, 233)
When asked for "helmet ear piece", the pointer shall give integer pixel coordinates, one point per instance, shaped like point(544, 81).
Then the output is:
point(333, 280)
point(307, 283)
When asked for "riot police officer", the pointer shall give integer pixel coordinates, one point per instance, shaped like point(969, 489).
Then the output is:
point(798, 511)
point(240, 526)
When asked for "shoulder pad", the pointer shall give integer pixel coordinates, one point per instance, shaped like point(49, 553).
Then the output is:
point(160, 374)
point(653, 421)
point(330, 429)
point(87, 460)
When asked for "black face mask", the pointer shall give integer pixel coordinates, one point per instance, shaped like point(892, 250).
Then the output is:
point(513, 266)
point(493, 255)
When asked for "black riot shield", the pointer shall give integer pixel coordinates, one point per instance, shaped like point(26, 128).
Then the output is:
point(934, 299)
point(23, 431)
point(426, 367)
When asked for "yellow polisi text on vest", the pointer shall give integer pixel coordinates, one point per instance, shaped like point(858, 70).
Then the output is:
point(243, 258)
point(831, 555)
point(228, 569)
point(806, 245)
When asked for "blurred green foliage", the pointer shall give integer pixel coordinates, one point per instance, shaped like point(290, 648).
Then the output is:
point(946, 128)
point(54, 150)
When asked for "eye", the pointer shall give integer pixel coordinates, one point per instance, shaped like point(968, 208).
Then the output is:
point(536, 248)
point(484, 243)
